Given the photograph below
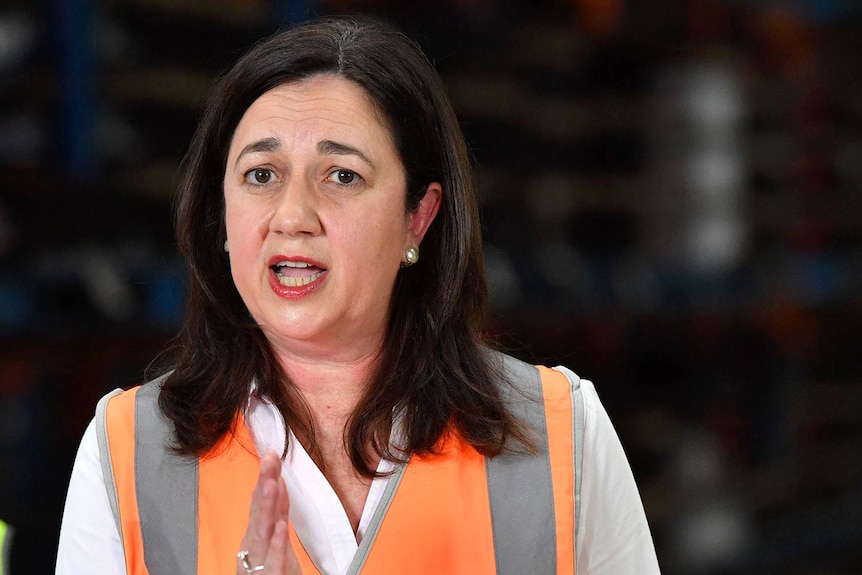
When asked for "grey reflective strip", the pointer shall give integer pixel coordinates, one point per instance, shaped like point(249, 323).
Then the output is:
point(578, 423)
point(167, 489)
point(519, 485)
point(374, 525)
point(105, 456)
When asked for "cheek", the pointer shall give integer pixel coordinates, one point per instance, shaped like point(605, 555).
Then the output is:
point(376, 250)
point(231, 217)
point(373, 239)
point(244, 220)
point(244, 243)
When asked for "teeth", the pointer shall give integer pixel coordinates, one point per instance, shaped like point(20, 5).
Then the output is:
point(293, 265)
point(298, 281)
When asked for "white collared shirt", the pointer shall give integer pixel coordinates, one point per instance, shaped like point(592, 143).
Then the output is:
point(613, 536)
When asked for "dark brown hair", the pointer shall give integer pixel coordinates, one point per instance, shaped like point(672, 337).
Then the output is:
point(433, 364)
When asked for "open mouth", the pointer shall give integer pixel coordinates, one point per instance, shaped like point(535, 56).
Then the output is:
point(296, 274)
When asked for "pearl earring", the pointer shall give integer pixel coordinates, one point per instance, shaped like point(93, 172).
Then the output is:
point(412, 256)
point(225, 246)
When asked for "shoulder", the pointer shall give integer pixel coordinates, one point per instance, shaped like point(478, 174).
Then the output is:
point(89, 539)
point(614, 535)
point(125, 399)
point(508, 366)
point(536, 381)
point(118, 411)
point(514, 374)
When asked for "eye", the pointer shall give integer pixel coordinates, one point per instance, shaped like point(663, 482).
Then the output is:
point(345, 177)
point(259, 176)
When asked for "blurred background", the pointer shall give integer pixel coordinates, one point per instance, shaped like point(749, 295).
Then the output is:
point(672, 208)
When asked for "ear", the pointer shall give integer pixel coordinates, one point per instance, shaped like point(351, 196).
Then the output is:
point(420, 220)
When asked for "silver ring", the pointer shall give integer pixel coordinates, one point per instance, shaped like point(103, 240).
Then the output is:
point(243, 557)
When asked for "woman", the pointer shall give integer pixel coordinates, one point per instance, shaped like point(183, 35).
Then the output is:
point(328, 159)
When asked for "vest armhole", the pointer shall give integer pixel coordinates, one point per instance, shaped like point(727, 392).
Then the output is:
point(578, 426)
point(105, 457)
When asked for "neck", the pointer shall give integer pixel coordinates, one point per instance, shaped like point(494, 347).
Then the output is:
point(331, 388)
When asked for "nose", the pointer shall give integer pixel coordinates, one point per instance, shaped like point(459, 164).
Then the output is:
point(296, 211)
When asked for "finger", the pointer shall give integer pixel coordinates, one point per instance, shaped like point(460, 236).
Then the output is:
point(264, 509)
point(283, 505)
point(261, 524)
point(281, 559)
point(269, 471)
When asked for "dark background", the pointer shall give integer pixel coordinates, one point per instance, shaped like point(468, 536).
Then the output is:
point(672, 208)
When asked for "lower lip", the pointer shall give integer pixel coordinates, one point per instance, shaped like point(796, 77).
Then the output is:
point(294, 292)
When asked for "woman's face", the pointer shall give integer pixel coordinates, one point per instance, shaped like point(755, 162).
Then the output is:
point(315, 214)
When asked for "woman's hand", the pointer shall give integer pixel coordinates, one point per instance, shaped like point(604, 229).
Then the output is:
point(266, 541)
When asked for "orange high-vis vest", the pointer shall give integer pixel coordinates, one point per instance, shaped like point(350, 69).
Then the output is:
point(453, 513)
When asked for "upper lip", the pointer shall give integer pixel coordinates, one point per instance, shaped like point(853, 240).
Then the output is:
point(276, 260)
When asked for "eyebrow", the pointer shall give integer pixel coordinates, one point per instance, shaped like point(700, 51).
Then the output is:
point(265, 145)
point(326, 147)
point(329, 147)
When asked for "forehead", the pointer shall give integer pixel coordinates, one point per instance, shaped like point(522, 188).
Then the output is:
point(322, 106)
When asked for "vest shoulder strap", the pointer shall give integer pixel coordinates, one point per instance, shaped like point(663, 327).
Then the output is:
point(578, 429)
point(524, 529)
point(105, 456)
point(548, 404)
point(166, 484)
point(167, 489)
